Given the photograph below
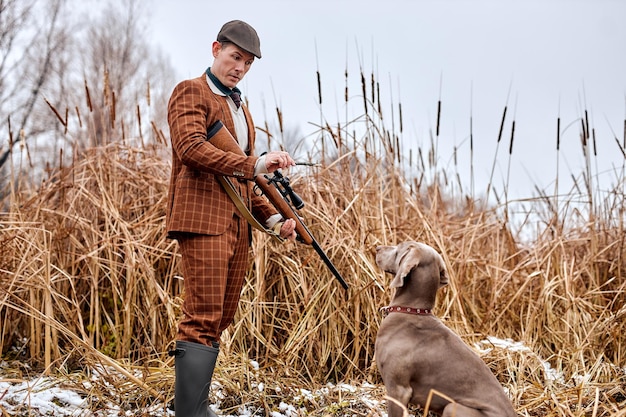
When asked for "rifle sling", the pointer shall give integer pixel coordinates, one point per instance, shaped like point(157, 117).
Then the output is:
point(243, 209)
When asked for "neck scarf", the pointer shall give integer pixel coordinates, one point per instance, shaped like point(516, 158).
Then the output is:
point(221, 86)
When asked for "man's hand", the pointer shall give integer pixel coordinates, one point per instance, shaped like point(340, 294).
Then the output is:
point(288, 230)
point(278, 160)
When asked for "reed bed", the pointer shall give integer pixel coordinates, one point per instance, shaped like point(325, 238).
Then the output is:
point(91, 286)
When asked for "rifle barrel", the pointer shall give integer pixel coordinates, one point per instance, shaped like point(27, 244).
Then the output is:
point(329, 264)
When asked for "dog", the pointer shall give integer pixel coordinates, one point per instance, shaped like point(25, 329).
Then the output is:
point(417, 355)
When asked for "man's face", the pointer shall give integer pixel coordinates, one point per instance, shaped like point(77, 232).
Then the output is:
point(231, 63)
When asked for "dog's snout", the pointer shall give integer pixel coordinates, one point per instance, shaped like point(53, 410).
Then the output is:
point(382, 248)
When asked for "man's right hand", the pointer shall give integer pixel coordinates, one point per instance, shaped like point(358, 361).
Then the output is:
point(278, 160)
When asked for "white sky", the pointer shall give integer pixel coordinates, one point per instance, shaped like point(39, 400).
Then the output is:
point(557, 58)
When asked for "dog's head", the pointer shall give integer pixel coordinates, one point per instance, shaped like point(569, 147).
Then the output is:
point(401, 260)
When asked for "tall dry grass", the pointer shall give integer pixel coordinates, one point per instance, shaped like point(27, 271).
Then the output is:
point(88, 280)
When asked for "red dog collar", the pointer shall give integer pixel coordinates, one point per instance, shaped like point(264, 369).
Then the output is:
point(407, 310)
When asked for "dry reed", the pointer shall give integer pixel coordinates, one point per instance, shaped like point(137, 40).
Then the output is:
point(90, 284)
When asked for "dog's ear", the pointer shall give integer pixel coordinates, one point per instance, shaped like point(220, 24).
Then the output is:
point(408, 261)
point(443, 273)
point(443, 277)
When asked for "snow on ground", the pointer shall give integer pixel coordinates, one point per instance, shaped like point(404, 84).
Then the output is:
point(46, 396)
point(551, 374)
point(42, 395)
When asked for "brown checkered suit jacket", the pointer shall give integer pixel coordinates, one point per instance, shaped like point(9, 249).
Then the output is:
point(196, 202)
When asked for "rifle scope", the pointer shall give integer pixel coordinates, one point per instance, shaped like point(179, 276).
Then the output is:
point(286, 190)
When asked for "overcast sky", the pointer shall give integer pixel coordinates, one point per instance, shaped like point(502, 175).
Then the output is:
point(543, 59)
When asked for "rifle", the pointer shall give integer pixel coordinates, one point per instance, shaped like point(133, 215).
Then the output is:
point(278, 191)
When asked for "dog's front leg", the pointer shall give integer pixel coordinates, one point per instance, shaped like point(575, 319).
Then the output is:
point(398, 400)
point(458, 410)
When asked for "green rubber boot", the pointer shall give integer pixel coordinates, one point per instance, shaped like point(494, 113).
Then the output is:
point(194, 365)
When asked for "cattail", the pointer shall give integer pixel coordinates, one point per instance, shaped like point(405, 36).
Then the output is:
point(139, 124)
point(593, 137)
point(380, 109)
point(158, 134)
point(279, 114)
point(88, 96)
point(345, 95)
point(56, 113)
point(113, 100)
point(364, 92)
point(107, 87)
point(373, 88)
point(80, 120)
point(438, 117)
point(319, 87)
point(502, 124)
point(397, 148)
point(558, 133)
point(512, 134)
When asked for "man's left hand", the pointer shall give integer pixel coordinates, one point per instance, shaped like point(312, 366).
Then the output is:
point(288, 230)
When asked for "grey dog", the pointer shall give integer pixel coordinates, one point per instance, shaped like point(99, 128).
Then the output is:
point(417, 355)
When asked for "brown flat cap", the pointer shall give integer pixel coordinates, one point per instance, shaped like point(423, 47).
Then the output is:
point(241, 34)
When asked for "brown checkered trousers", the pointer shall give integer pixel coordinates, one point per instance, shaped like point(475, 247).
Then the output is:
point(213, 237)
point(214, 267)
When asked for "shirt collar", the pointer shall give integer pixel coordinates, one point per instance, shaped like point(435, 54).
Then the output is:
point(225, 90)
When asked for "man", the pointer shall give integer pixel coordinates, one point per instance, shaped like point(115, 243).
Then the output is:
point(213, 236)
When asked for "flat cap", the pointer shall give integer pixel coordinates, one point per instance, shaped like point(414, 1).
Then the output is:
point(241, 34)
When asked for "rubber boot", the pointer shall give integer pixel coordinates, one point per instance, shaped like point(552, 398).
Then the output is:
point(194, 365)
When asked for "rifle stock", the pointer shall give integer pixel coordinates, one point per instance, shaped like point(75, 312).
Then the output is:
point(220, 137)
point(272, 193)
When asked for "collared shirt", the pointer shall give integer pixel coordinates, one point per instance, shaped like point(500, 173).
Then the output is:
point(241, 130)
point(239, 117)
